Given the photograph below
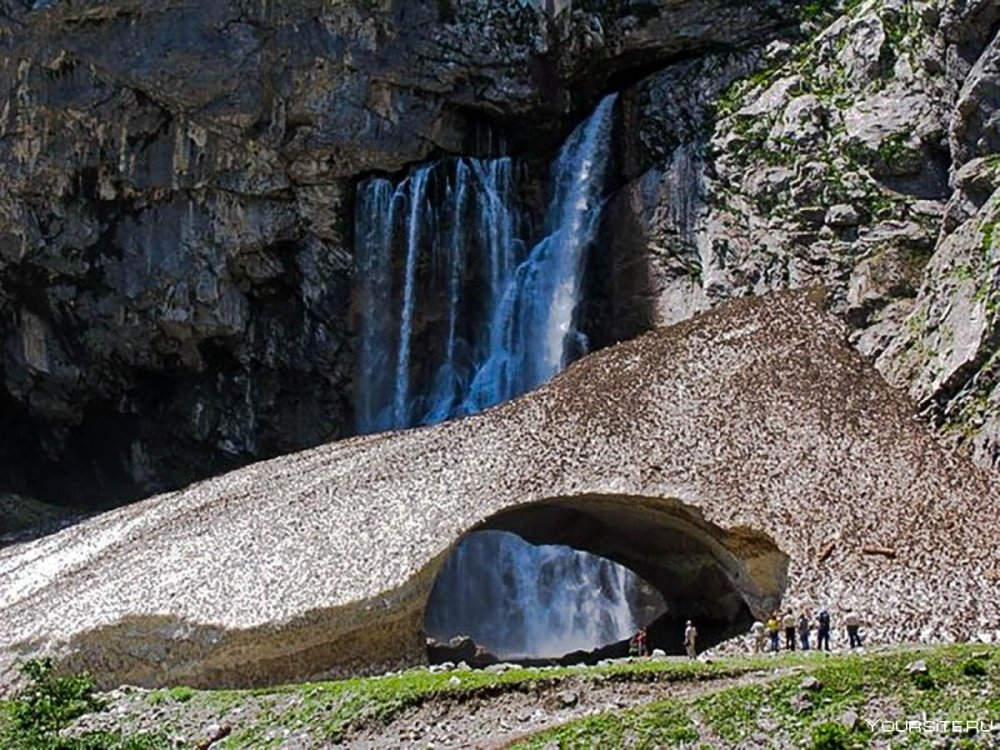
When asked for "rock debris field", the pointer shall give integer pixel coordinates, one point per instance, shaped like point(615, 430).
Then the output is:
point(755, 427)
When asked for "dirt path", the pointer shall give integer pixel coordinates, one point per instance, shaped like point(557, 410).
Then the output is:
point(497, 722)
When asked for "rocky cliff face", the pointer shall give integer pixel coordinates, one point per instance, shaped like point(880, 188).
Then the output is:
point(863, 158)
point(176, 197)
point(176, 192)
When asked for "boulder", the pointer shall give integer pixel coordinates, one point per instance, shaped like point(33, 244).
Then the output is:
point(849, 719)
point(842, 215)
point(564, 699)
point(810, 683)
point(917, 667)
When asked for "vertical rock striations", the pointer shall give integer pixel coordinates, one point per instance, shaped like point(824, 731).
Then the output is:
point(176, 201)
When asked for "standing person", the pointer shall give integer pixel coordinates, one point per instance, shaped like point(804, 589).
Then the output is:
point(690, 638)
point(853, 624)
point(823, 630)
point(772, 631)
point(643, 642)
point(789, 624)
point(804, 631)
point(757, 633)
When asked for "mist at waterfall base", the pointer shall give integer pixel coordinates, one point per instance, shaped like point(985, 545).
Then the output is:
point(460, 311)
point(520, 600)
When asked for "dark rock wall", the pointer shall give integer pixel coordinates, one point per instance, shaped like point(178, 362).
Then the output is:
point(176, 188)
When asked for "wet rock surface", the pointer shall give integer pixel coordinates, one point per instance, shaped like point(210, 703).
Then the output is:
point(176, 199)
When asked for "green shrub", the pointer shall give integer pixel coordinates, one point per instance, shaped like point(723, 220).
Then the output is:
point(182, 694)
point(33, 718)
point(923, 681)
point(48, 703)
point(816, 9)
point(830, 736)
point(973, 668)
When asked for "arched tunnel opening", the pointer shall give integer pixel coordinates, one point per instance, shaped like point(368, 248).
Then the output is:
point(507, 591)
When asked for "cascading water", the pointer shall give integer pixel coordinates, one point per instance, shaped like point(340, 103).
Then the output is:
point(455, 225)
point(531, 601)
point(458, 218)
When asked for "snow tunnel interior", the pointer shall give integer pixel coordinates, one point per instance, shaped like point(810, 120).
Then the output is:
point(654, 560)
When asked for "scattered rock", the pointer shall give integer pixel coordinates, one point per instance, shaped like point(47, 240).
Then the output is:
point(565, 699)
point(842, 215)
point(810, 683)
point(849, 719)
point(212, 734)
point(917, 667)
point(500, 668)
point(801, 702)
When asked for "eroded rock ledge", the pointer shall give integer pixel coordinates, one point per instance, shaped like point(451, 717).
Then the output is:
point(755, 422)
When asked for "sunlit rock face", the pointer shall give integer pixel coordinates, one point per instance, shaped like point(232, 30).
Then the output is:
point(746, 458)
point(863, 158)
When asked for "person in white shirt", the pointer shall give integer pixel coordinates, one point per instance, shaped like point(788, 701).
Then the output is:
point(853, 624)
point(690, 638)
point(759, 635)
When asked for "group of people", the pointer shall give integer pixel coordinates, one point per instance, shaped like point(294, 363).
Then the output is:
point(799, 630)
point(638, 645)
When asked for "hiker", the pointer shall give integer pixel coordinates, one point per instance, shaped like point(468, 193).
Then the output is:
point(633, 645)
point(823, 630)
point(789, 624)
point(772, 632)
point(643, 642)
point(690, 637)
point(853, 623)
point(758, 634)
point(804, 631)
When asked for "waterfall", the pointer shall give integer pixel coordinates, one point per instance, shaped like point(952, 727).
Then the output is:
point(532, 327)
point(401, 402)
point(530, 601)
point(373, 244)
point(457, 217)
point(456, 226)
